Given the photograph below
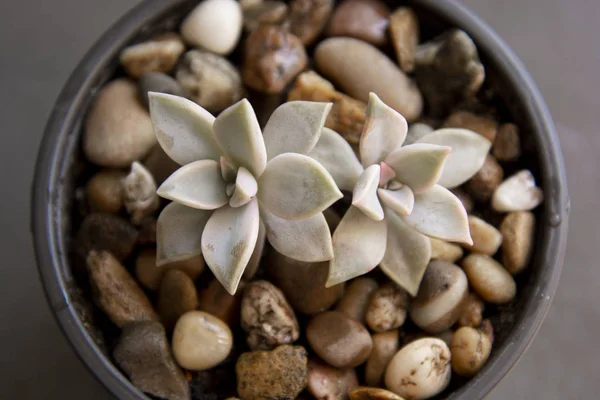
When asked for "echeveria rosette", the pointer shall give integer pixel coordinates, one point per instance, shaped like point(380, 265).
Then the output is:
point(399, 195)
point(234, 178)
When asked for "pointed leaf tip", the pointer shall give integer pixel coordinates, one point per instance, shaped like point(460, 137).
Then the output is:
point(295, 127)
point(294, 187)
point(364, 195)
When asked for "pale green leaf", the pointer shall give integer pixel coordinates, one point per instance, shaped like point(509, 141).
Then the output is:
point(179, 233)
point(237, 131)
point(336, 155)
point(197, 185)
point(440, 214)
point(418, 165)
point(364, 196)
point(407, 254)
point(306, 240)
point(384, 131)
point(228, 242)
point(295, 127)
point(358, 246)
point(467, 156)
point(401, 200)
point(295, 186)
point(245, 188)
point(183, 128)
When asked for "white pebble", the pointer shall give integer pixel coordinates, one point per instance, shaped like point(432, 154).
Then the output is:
point(517, 193)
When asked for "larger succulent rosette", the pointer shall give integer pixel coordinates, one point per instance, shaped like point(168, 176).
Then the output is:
point(400, 195)
point(234, 178)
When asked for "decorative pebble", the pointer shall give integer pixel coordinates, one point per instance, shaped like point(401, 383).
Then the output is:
point(147, 233)
point(518, 231)
point(267, 317)
point(372, 393)
point(308, 18)
point(470, 351)
point(358, 68)
point(442, 250)
point(115, 291)
point(356, 298)
point(366, 20)
point(215, 300)
point(420, 370)
point(489, 279)
point(159, 54)
point(214, 25)
point(517, 193)
point(277, 374)
point(448, 70)
point(486, 238)
point(160, 165)
point(482, 185)
point(272, 59)
point(139, 193)
point(441, 297)
point(325, 382)
point(464, 198)
point(150, 275)
point(103, 231)
point(385, 345)
point(264, 12)
point(200, 341)
point(104, 191)
point(118, 129)
point(507, 146)
point(160, 83)
point(340, 341)
point(143, 353)
point(416, 131)
point(486, 127)
point(387, 308)
point(210, 80)
point(473, 311)
point(347, 115)
point(404, 31)
point(176, 296)
point(303, 284)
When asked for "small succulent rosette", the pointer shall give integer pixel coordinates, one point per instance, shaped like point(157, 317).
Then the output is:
point(400, 195)
point(234, 178)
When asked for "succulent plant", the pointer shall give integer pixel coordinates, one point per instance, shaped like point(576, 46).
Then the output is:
point(234, 176)
point(399, 195)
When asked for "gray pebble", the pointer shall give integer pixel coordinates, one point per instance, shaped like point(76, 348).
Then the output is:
point(103, 231)
point(158, 82)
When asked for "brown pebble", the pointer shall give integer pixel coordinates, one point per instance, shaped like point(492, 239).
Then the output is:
point(486, 238)
point(340, 341)
point(483, 184)
point(267, 317)
point(303, 283)
point(104, 191)
point(470, 350)
point(116, 292)
point(507, 146)
point(518, 231)
point(489, 279)
point(472, 313)
point(387, 308)
point(464, 198)
point(146, 270)
point(159, 54)
point(308, 18)
point(215, 300)
point(442, 250)
point(385, 345)
point(147, 233)
point(273, 57)
point(366, 20)
point(160, 165)
point(356, 298)
point(176, 296)
point(372, 393)
point(277, 374)
point(264, 12)
point(347, 115)
point(326, 382)
point(103, 231)
point(486, 127)
point(404, 31)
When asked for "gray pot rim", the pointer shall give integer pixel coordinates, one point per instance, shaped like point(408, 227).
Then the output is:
point(62, 132)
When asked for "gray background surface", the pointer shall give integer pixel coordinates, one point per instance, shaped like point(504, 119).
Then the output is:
point(41, 42)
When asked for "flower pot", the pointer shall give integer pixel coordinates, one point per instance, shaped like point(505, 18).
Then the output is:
point(53, 187)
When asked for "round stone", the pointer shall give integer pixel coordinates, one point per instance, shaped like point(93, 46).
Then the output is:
point(473, 312)
point(105, 192)
point(489, 279)
point(326, 382)
point(387, 308)
point(361, 19)
point(486, 238)
point(200, 341)
point(356, 298)
point(385, 345)
point(103, 231)
point(159, 54)
point(160, 83)
point(482, 185)
point(517, 193)
point(442, 250)
point(372, 393)
point(507, 146)
point(486, 127)
point(339, 340)
point(176, 296)
point(214, 25)
point(518, 231)
point(308, 18)
point(404, 31)
point(470, 350)
point(118, 129)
